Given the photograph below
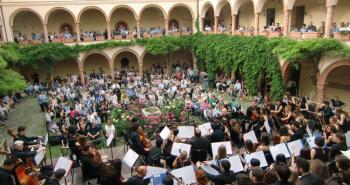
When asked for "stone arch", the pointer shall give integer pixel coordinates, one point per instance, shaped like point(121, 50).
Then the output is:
point(97, 54)
point(237, 5)
point(244, 9)
point(13, 15)
point(126, 7)
point(165, 15)
point(220, 5)
point(182, 5)
point(206, 6)
point(82, 61)
point(126, 50)
point(92, 8)
point(323, 77)
point(47, 15)
point(124, 53)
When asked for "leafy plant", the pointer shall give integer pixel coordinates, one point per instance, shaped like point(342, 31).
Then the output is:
point(175, 107)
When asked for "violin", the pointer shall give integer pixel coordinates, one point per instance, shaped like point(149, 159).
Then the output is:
point(144, 140)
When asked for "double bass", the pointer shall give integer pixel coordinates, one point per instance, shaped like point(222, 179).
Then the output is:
point(144, 139)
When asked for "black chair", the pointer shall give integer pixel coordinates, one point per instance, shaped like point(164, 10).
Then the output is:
point(127, 141)
point(198, 155)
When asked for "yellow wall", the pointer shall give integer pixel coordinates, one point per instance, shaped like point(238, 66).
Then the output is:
point(246, 15)
point(92, 20)
point(57, 18)
point(152, 17)
point(27, 22)
point(315, 11)
point(63, 68)
point(278, 5)
point(125, 15)
point(132, 60)
point(338, 86)
point(305, 83)
point(94, 62)
point(178, 57)
point(342, 12)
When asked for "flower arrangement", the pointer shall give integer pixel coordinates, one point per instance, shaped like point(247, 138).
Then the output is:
point(121, 119)
point(175, 107)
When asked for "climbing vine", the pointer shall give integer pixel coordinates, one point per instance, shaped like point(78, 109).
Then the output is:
point(256, 58)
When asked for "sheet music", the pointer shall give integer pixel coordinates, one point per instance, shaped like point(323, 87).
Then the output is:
point(65, 164)
point(209, 169)
point(215, 147)
point(311, 141)
point(347, 135)
point(279, 149)
point(151, 171)
point(236, 163)
point(130, 158)
point(185, 132)
point(346, 153)
point(250, 136)
point(267, 126)
point(177, 147)
point(164, 134)
point(205, 129)
point(295, 147)
point(110, 139)
point(39, 157)
point(186, 173)
point(257, 155)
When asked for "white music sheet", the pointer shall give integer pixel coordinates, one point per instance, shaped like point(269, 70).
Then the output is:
point(257, 155)
point(154, 171)
point(209, 169)
point(186, 173)
point(267, 126)
point(46, 139)
point(185, 132)
point(205, 129)
point(311, 141)
point(250, 136)
point(130, 158)
point(347, 136)
point(164, 134)
point(236, 163)
point(110, 139)
point(39, 157)
point(215, 148)
point(65, 164)
point(346, 153)
point(308, 130)
point(177, 148)
point(295, 147)
point(279, 149)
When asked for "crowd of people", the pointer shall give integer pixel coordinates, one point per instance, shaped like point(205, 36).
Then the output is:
point(78, 118)
point(7, 104)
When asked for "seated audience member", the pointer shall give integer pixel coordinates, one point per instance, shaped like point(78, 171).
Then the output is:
point(182, 160)
point(257, 175)
point(278, 28)
point(225, 176)
point(138, 179)
point(334, 28)
point(58, 176)
point(283, 174)
point(6, 172)
point(311, 27)
point(94, 133)
point(322, 28)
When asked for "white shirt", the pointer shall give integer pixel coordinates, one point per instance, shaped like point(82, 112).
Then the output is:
point(109, 129)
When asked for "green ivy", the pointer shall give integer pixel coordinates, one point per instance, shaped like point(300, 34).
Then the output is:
point(256, 58)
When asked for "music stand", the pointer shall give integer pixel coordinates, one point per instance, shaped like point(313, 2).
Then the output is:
point(48, 136)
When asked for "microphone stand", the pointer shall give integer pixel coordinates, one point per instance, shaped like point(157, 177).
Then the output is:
point(48, 136)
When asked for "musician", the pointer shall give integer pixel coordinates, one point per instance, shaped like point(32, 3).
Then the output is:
point(19, 151)
point(181, 160)
point(6, 172)
point(218, 135)
point(26, 140)
point(225, 176)
point(252, 114)
point(257, 175)
point(326, 111)
point(155, 154)
point(111, 174)
point(91, 161)
point(137, 145)
point(288, 115)
point(138, 179)
point(199, 143)
point(59, 174)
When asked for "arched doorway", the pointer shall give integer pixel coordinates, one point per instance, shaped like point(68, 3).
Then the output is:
point(152, 18)
point(225, 17)
point(64, 68)
point(126, 60)
point(246, 15)
point(180, 18)
point(93, 20)
point(96, 63)
point(307, 11)
point(27, 25)
point(123, 18)
point(341, 12)
point(273, 11)
point(183, 58)
point(60, 23)
point(207, 17)
point(154, 63)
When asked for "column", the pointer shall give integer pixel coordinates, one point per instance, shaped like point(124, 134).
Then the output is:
point(194, 60)
point(202, 25)
point(166, 26)
point(216, 20)
point(256, 30)
point(321, 92)
point(77, 27)
point(141, 69)
point(286, 27)
point(46, 34)
point(329, 20)
point(233, 23)
point(81, 74)
point(111, 68)
point(109, 30)
point(138, 28)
